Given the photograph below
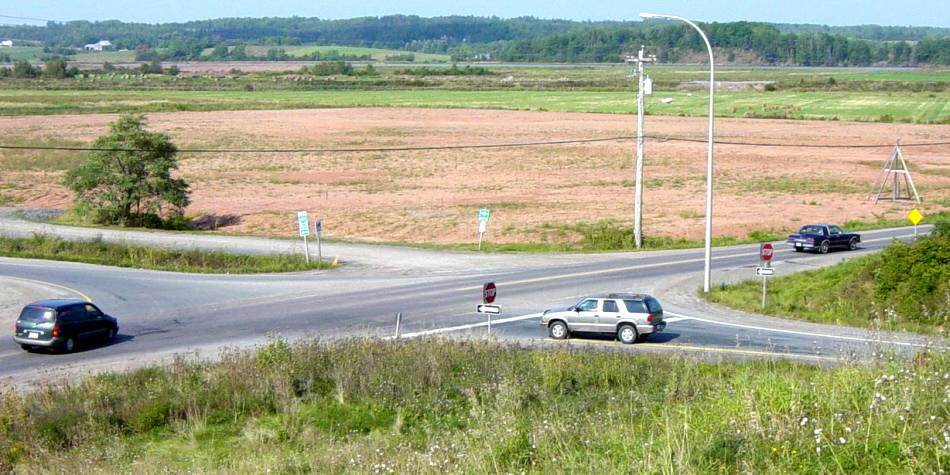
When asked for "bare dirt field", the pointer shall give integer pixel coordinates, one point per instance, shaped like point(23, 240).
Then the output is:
point(534, 192)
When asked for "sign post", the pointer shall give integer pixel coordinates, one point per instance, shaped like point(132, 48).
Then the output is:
point(318, 230)
point(489, 292)
point(483, 215)
point(766, 251)
point(915, 217)
point(303, 227)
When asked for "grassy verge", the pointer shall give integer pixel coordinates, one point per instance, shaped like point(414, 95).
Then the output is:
point(122, 255)
point(906, 287)
point(430, 406)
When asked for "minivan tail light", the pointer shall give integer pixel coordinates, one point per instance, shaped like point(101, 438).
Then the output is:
point(55, 329)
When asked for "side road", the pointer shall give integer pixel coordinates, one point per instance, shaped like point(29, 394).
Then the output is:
point(681, 296)
point(356, 257)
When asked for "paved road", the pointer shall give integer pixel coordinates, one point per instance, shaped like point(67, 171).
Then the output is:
point(164, 313)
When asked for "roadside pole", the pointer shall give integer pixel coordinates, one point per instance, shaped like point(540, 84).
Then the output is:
point(489, 292)
point(644, 88)
point(318, 227)
point(483, 215)
point(303, 227)
point(398, 323)
point(765, 270)
point(915, 217)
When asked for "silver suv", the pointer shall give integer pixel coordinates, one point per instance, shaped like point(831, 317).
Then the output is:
point(632, 317)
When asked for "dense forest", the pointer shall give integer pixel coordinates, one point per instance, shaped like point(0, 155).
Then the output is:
point(516, 39)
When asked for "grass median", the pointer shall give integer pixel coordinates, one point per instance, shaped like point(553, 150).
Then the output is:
point(906, 287)
point(141, 257)
point(436, 406)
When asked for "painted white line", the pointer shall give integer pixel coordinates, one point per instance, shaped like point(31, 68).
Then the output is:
point(646, 266)
point(500, 321)
point(469, 326)
point(809, 334)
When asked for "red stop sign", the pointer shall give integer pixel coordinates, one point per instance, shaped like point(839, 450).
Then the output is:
point(489, 292)
point(766, 251)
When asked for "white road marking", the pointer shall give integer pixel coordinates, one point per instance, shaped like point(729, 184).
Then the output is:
point(469, 326)
point(810, 334)
point(646, 266)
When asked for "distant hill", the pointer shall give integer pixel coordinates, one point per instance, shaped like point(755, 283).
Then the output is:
point(514, 39)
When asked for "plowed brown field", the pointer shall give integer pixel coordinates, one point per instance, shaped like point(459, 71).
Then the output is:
point(433, 196)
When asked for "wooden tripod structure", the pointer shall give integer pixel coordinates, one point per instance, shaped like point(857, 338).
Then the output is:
point(897, 174)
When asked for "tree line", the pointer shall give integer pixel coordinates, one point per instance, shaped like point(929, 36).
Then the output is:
point(517, 39)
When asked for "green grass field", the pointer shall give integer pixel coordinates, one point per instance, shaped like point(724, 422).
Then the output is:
point(860, 106)
point(375, 53)
point(431, 406)
point(121, 255)
point(29, 53)
point(104, 56)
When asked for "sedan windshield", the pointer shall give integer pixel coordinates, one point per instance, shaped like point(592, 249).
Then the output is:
point(36, 315)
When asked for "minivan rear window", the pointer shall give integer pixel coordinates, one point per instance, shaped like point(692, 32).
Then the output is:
point(36, 315)
point(635, 306)
point(654, 305)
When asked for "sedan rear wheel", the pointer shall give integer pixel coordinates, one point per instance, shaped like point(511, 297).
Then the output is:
point(558, 330)
point(824, 247)
point(627, 334)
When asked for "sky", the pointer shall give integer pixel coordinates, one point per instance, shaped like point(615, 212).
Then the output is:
point(828, 12)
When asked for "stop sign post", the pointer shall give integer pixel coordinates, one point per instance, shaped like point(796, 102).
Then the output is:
point(489, 292)
point(766, 251)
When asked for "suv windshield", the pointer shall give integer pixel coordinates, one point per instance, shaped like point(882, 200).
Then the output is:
point(36, 315)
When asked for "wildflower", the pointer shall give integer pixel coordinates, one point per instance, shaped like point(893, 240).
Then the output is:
point(817, 431)
point(774, 449)
point(803, 422)
point(842, 440)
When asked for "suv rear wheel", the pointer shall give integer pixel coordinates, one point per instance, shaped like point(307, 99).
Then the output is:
point(558, 330)
point(627, 334)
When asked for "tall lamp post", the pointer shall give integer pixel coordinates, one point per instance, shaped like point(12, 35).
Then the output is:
point(709, 160)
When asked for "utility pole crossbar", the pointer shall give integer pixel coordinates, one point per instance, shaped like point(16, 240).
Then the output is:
point(896, 172)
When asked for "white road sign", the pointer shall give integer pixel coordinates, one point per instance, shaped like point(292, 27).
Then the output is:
point(491, 309)
point(303, 223)
point(764, 271)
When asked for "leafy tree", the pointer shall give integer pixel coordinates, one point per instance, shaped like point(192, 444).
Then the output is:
point(129, 180)
point(24, 70)
point(55, 68)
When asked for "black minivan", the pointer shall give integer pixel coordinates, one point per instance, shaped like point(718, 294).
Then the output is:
point(62, 324)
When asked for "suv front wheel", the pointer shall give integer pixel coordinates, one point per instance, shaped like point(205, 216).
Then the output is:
point(558, 330)
point(627, 334)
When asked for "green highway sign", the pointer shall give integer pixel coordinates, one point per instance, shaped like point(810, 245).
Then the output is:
point(303, 223)
point(484, 214)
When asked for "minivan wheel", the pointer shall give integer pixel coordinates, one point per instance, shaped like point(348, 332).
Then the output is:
point(69, 345)
point(627, 334)
point(558, 330)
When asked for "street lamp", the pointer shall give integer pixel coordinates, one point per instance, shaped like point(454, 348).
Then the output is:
point(709, 161)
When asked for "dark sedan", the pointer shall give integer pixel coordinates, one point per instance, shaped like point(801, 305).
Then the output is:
point(62, 325)
point(822, 238)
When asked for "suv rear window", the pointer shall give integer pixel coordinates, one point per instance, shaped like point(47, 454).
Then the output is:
point(654, 305)
point(36, 315)
point(635, 306)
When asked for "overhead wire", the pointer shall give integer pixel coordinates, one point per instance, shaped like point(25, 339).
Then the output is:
point(464, 146)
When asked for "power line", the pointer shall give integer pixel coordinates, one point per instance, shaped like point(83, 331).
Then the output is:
point(27, 18)
point(465, 146)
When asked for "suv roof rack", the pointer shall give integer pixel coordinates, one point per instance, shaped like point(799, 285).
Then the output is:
point(622, 295)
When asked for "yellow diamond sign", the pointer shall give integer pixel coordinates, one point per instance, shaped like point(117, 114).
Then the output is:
point(915, 217)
